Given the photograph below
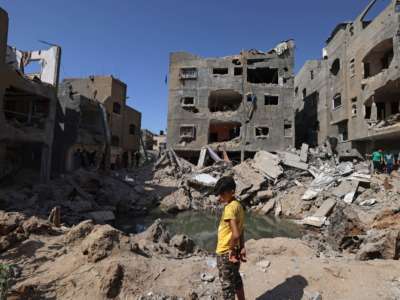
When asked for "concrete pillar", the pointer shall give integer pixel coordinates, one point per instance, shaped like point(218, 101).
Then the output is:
point(374, 111)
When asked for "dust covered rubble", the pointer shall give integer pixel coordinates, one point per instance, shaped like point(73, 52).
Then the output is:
point(90, 261)
point(83, 195)
point(338, 201)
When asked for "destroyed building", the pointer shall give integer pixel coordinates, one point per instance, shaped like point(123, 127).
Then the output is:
point(148, 139)
point(351, 96)
point(243, 102)
point(124, 122)
point(81, 125)
point(28, 103)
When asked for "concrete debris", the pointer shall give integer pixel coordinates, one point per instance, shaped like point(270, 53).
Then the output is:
point(268, 164)
point(304, 153)
point(349, 197)
point(203, 180)
point(369, 202)
point(264, 265)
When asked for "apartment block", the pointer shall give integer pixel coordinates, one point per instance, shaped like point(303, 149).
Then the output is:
point(242, 103)
point(351, 96)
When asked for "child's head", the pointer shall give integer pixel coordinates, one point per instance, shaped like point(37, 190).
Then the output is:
point(225, 189)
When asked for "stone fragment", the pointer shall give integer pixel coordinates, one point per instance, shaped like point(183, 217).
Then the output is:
point(268, 207)
point(264, 265)
point(268, 164)
point(78, 232)
point(182, 242)
point(100, 242)
point(207, 277)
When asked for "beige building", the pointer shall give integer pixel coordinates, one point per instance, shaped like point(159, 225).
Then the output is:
point(160, 142)
point(124, 122)
point(352, 95)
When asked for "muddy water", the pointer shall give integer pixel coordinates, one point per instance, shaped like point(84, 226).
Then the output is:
point(202, 226)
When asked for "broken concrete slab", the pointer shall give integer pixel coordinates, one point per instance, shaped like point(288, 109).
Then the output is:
point(213, 154)
point(342, 189)
point(314, 221)
point(203, 180)
point(295, 164)
point(304, 153)
point(268, 207)
point(202, 158)
point(325, 209)
point(268, 164)
point(349, 198)
point(264, 195)
point(248, 180)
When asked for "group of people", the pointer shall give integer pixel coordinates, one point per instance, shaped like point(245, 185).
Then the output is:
point(384, 161)
point(84, 158)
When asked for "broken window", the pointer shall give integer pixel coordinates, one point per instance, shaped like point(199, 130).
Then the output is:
point(261, 131)
point(271, 100)
point(238, 71)
point(354, 107)
point(224, 100)
point(236, 61)
point(378, 58)
point(312, 75)
point(335, 68)
point(116, 108)
point(352, 68)
point(187, 131)
point(187, 101)
point(262, 75)
point(132, 129)
point(288, 128)
point(368, 111)
point(343, 132)
point(220, 71)
point(296, 90)
point(188, 73)
point(304, 93)
point(115, 141)
point(223, 131)
point(337, 101)
point(24, 109)
point(395, 107)
point(252, 61)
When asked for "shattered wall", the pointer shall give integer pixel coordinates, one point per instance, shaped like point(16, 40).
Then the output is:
point(79, 125)
point(243, 101)
point(358, 82)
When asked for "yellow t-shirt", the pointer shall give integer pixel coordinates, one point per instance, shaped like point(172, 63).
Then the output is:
point(232, 211)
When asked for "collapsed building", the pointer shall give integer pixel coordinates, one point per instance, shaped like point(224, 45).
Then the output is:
point(123, 121)
point(242, 102)
point(351, 97)
point(81, 125)
point(28, 102)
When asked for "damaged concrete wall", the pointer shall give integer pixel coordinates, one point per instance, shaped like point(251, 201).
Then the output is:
point(238, 94)
point(359, 86)
point(79, 125)
point(27, 115)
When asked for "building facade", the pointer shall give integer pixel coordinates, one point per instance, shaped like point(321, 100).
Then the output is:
point(243, 103)
point(352, 95)
point(27, 107)
point(124, 122)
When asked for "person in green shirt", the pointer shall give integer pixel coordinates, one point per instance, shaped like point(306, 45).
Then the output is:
point(377, 160)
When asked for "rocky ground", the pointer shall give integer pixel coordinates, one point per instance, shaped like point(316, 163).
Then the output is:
point(350, 250)
point(91, 261)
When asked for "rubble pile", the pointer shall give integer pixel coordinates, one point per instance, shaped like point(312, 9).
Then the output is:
point(79, 196)
point(310, 185)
